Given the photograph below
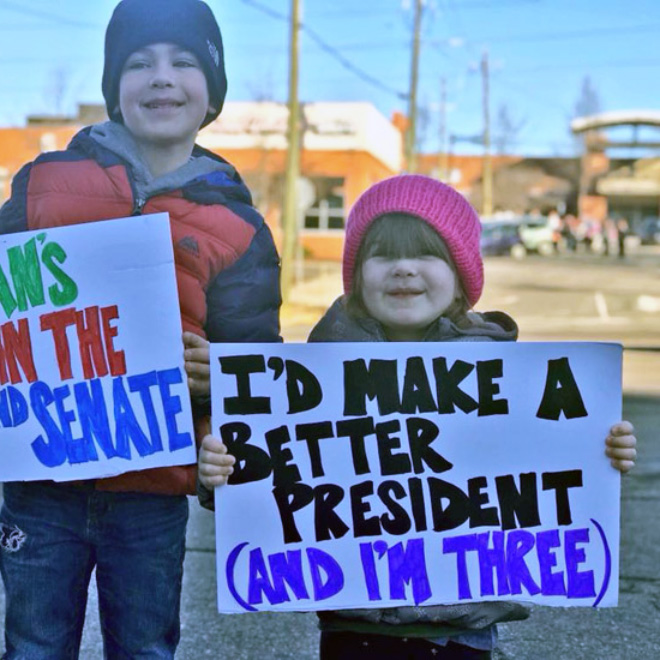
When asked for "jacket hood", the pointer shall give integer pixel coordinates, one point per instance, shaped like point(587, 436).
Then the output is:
point(338, 325)
point(204, 167)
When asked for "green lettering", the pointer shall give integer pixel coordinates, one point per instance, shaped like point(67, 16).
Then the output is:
point(26, 275)
point(7, 299)
point(67, 292)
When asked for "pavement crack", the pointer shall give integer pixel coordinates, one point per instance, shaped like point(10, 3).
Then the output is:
point(207, 551)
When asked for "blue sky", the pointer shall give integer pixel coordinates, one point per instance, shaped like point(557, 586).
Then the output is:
point(539, 51)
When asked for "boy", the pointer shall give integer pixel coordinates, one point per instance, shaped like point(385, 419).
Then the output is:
point(163, 79)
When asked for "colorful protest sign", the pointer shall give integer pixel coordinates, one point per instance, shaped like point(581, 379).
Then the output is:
point(385, 474)
point(91, 356)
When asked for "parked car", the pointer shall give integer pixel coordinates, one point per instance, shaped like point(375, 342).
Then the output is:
point(649, 231)
point(536, 234)
point(502, 237)
point(516, 235)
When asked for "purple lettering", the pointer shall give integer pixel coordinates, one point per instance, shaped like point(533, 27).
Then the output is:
point(552, 584)
point(580, 584)
point(461, 545)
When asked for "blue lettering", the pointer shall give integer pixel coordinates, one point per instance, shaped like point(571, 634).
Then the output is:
point(518, 544)
point(334, 576)
point(461, 545)
point(408, 565)
point(171, 408)
point(259, 581)
point(13, 408)
point(580, 584)
point(369, 570)
point(511, 555)
point(489, 559)
point(112, 427)
point(141, 384)
point(286, 568)
point(77, 451)
point(93, 414)
point(552, 583)
point(127, 428)
point(51, 452)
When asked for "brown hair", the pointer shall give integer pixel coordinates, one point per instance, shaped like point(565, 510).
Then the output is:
point(399, 235)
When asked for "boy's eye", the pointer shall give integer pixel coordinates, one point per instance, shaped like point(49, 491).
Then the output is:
point(185, 63)
point(136, 65)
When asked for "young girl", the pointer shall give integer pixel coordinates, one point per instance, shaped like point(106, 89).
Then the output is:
point(412, 272)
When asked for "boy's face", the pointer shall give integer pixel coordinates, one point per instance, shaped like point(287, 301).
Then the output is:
point(163, 95)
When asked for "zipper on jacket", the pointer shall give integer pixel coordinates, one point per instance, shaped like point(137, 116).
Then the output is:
point(138, 206)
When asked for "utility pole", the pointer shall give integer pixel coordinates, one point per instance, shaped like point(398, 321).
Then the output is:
point(411, 133)
point(443, 162)
point(290, 206)
point(487, 207)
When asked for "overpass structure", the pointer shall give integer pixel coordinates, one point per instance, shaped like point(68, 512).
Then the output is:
point(629, 189)
point(632, 118)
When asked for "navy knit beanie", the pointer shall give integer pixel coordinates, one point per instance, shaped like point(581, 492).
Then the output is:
point(186, 23)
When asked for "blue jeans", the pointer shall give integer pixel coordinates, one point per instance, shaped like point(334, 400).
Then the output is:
point(51, 538)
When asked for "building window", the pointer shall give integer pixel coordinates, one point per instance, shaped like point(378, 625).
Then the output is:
point(47, 142)
point(4, 184)
point(327, 211)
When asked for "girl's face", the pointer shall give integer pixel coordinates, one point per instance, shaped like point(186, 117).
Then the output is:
point(406, 294)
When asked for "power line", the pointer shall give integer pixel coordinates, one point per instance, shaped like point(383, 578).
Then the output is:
point(587, 65)
point(349, 66)
point(524, 91)
point(266, 10)
point(577, 34)
point(330, 50)
point(62, 20)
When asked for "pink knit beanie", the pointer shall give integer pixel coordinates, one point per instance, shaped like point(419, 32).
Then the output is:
point(446, 210)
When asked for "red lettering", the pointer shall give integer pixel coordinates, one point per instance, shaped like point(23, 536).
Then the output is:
point(90, 343)
point(57, 323)
point(117, 359)
point(15, 349)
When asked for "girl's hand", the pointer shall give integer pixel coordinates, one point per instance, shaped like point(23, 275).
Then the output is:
point(621, 446)
point(196, 357)
point(214, 464)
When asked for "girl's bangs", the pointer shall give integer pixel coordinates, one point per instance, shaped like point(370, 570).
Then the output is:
point(397, 236)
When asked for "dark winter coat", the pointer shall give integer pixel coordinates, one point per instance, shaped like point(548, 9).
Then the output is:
point(227, 267)
point(435, 621)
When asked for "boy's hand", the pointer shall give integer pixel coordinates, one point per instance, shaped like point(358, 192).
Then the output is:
point(621, 446)
point(214, 464)
point(196, 357)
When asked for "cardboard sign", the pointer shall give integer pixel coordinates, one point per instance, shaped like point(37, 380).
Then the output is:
point(387, 474)
point(91, 356)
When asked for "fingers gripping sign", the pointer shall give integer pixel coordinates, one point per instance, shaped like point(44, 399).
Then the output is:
point(621, 446)
point(215, 465)
point(196, 357)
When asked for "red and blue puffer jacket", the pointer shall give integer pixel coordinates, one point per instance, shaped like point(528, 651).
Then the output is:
point(227, 267)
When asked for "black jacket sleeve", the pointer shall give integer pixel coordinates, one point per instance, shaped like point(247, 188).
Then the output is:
point(244, 300)
point(13, 214)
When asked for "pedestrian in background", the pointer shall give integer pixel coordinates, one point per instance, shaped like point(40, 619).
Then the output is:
point(622, 229)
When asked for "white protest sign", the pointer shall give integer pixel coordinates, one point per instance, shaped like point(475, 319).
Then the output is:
point(91, 356)
point(385, 474)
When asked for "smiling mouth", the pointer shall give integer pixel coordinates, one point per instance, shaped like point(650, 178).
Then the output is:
point(162, 105)
point(404, 293)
